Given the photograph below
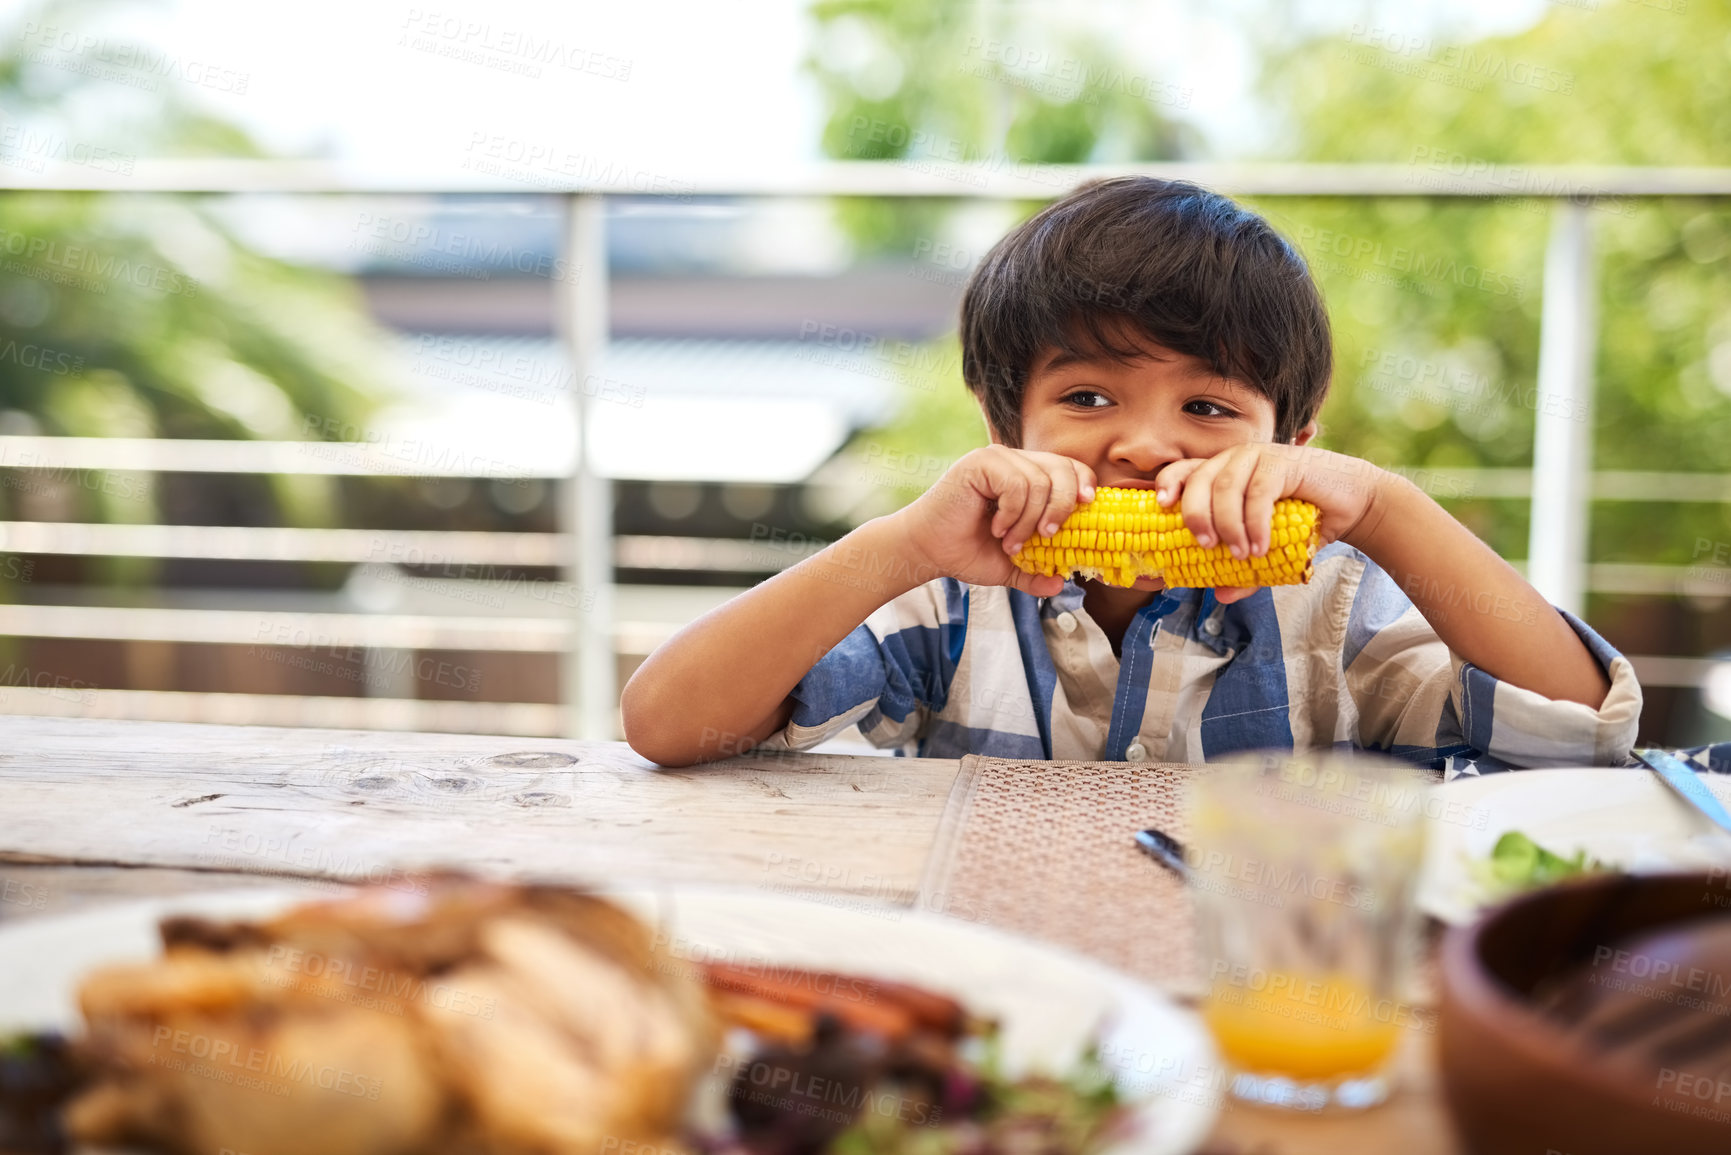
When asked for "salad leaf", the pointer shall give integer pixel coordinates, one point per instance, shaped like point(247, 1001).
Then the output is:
point(1074, 1113)
point(1518, 864)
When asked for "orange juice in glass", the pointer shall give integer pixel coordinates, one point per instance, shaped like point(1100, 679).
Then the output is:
point(1303, 868)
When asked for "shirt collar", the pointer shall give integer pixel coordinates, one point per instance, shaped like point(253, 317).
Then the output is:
point(1069, 600)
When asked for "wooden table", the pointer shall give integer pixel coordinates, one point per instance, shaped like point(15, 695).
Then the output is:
point(94, 812)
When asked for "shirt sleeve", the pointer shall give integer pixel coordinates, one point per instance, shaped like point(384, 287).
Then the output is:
point(889, 675)
point(1419, 700)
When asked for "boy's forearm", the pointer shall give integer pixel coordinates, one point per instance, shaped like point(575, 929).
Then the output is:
point(711, 689)
point(1477, 603)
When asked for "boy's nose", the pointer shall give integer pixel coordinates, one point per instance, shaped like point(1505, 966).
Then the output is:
point(1144, 450)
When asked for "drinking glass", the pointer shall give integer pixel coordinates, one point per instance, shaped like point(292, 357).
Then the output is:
point(1303, 869)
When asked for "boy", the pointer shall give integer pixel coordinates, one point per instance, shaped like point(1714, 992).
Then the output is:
point(1145, 333)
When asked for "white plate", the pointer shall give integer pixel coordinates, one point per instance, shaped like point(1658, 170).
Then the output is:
point(1625, 817)
point(1049, 1002)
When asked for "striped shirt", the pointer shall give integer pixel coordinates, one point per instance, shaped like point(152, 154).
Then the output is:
point(1347, 660)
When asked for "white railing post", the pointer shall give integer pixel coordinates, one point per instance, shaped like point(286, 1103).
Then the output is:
point(587, 674)
point(1563, 413)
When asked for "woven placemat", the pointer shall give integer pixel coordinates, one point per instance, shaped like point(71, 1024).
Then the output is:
point(1047, 849)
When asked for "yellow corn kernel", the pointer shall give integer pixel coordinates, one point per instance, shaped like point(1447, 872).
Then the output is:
point(1123, 534)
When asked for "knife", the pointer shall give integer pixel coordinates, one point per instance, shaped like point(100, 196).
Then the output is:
point(1682, 779)
point(1166, 850)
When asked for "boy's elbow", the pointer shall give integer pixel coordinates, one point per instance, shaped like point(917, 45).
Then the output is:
point(672, 758)
point(638, 717)
point(654, 745)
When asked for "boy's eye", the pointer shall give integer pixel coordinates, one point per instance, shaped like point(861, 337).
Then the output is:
point(1085, 399)
point(1218, 410)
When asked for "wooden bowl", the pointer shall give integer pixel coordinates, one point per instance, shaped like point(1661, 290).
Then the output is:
point(1552, 1042)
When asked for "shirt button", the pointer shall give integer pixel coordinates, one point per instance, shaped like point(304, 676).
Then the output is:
point(1067, 622)
point(1211, 627)
point(1136, 752)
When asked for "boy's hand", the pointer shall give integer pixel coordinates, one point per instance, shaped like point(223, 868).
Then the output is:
point(1229, 498)
point(986, 506)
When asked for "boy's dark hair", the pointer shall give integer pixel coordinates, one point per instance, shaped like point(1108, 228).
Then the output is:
point(1189, 268)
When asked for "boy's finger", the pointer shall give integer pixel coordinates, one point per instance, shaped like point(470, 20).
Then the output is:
point(1170, 481)
point(1036, 585)
point(1085, 480)
point(1259, 498)
point(1197, 503)
point(1060, 503)
point(1226, 595)
point(1227, 500)
point(1008, 487)
point(1035, 489)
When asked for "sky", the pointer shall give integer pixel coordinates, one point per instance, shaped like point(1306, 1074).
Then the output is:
point(664, 85)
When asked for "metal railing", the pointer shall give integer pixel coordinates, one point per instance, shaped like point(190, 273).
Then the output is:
point(1560, 484)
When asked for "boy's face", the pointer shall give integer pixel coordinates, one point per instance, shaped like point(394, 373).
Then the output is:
point(1127, 421)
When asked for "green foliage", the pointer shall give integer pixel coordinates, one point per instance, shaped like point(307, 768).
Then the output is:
point(130, 315)
point(936, 85)
point(1623, 84)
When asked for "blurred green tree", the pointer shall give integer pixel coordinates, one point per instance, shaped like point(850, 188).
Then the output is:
point(1436, 302)
point(939, 85)
point(132, 315)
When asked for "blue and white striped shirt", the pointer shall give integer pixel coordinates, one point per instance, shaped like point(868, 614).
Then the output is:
point(1345, 661)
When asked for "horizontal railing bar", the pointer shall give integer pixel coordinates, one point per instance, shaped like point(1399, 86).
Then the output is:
point(710, 554)
point(532, 634)
point(283, 543)
point(403, 547)
point(1606, 484)
point(1459, 484)
point(399, 592)
point(918, 176)
point(1624, 485)
point(297, 629)
point(1652, 669)
point(410, 458)
point(1663, 670)
point(1691, 580)
point(280, 628)
point(404, 457)
point(466, 549)
point(527, 719)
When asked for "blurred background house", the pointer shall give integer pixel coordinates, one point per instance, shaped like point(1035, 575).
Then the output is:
point(302, 459)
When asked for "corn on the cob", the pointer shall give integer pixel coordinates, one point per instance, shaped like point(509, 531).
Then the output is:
point(1124, 534)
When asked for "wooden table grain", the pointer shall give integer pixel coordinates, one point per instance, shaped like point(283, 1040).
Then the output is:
point(358, 805)
point(96, 811)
